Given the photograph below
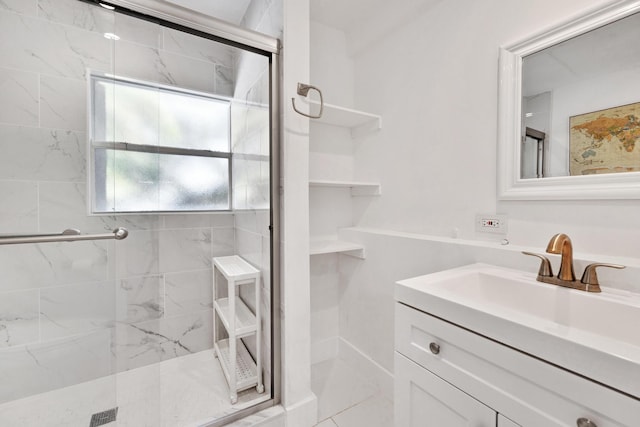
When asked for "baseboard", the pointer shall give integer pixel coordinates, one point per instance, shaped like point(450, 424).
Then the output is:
point(303, 413)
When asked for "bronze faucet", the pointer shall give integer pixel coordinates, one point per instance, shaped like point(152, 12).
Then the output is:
point(561, 244)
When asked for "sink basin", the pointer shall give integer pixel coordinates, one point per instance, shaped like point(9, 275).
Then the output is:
point(576, 330)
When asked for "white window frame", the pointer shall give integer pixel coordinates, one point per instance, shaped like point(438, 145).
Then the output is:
point(127, 146)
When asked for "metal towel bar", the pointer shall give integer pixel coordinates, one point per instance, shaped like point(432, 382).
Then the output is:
point(68, 235)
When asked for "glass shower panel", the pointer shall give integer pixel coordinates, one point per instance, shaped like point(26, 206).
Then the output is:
point(122, 330)
point(58, 300)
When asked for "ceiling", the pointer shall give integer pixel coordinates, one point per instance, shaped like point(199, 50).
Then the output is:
point(229, 11)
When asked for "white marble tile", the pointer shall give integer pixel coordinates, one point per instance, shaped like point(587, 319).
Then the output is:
point(188, 292)
point(19, 213)
point(77, 14)
point(186, 249)
point(75, 309)
point(247, 221)
point(193, 331)
point(19, 318)
point(136, 345)
point(377, 411)
point(69, 406)
point(45, 366)
point(51, 264)
point(138, 31)
point(150, 342)
point(97, 19)
point(199, 220)
point(181, 392)
point(150, 64)
point(186, 44)
point(27, 7)
point(138, 254)
point(19, 103)
point(63, 205)
point(42, 154)
point(63, 103)
point(249, 246)
point(224, 80)
point(45, 47)
point(140, 299)
point(223, 241)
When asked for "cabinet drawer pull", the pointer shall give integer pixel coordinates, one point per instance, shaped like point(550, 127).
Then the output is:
point(435, 349)
point(585, 422)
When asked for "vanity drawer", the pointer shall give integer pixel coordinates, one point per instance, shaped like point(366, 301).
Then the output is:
point(525, 389)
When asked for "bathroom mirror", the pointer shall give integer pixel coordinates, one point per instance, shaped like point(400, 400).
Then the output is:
point(569, 109)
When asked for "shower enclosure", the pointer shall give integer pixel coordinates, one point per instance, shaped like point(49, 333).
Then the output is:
point(151, 137)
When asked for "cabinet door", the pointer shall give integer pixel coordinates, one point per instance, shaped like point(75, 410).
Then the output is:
point(506, 422)
point(423, 399)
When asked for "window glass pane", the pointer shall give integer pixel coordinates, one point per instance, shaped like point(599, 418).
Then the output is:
point(147, 115)
point(138, 182)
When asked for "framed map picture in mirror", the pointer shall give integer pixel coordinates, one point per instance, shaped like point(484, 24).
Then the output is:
point(605, 141)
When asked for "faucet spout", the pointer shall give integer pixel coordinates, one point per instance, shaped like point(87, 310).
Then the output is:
point(561, 244)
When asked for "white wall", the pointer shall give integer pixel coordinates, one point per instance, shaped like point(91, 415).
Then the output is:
point(434, 81)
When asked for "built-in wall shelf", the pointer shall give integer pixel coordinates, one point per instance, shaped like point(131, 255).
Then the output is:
point(357, 188)
point(319, 247)
point(358, 122)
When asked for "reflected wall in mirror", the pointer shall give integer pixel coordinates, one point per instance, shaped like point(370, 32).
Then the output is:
point(568, 109)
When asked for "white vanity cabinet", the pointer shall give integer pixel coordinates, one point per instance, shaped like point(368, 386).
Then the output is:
point(447, 375)
point(428, 400)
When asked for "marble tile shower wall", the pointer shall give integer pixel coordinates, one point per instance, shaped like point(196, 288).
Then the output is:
point(72, 312)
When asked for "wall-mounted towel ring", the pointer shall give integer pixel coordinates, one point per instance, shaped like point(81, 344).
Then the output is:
point(303, 90)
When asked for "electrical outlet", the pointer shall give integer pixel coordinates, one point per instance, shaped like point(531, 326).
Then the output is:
point(491, 223)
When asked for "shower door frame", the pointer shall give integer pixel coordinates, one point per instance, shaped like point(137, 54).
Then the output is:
point(224, 32)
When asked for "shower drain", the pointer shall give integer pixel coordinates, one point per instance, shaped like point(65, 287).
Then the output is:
point(104, 417)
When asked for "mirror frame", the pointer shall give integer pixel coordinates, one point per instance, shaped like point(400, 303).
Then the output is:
point(509, 184)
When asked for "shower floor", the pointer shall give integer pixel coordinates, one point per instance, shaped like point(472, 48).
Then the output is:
point(186, 391)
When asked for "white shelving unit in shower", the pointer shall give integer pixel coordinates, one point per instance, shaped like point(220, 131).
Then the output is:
point(239, 321)
point(359, 124)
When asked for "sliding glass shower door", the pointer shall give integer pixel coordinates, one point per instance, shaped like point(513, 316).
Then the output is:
point(133, 153)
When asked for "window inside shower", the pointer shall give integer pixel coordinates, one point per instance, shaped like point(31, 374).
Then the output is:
point(108, 119)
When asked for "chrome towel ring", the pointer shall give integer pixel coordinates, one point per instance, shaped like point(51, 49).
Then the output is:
point(303, 90)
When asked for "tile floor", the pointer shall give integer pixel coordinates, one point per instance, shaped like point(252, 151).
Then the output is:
point(182, 392)
point(190, 390)
point(347, 398)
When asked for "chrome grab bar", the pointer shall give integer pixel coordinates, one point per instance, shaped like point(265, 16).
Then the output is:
point(68, 235)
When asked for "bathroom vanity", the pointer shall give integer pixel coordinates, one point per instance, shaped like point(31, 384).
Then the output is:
point(483, 346)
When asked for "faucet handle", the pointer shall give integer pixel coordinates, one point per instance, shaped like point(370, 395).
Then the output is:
point(589, 277)
point(545, 265)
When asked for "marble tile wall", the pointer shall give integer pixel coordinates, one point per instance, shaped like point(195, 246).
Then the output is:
point(70, 312)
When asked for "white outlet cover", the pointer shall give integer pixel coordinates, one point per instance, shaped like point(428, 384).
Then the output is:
point(499, 221)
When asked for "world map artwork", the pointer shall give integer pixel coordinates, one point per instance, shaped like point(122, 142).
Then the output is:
point(605, 141)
